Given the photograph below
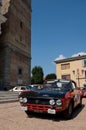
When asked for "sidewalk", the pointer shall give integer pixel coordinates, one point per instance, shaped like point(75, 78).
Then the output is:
point(6, 96)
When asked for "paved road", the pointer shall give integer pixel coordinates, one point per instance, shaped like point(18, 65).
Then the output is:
point(13, 118)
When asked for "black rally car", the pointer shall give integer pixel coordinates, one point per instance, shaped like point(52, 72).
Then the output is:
point(57, 96)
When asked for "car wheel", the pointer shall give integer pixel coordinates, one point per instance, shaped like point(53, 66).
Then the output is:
point(80, 104)
point(68, 112)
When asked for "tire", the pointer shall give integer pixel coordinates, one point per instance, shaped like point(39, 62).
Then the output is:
point(68, 112)
point(80, 104)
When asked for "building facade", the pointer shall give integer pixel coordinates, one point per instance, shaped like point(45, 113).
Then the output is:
point(72, 68)
point(2, 18)
point(15, 43)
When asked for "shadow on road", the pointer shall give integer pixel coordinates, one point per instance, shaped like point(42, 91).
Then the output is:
point(77, 110)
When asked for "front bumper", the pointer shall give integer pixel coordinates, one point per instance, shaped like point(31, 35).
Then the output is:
point(44, 108)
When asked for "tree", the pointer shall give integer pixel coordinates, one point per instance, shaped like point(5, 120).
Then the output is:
point(37, 75)
point(50, 76)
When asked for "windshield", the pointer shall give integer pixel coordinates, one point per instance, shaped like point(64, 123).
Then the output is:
point(34, 87)
point(53, 86)
point(31, 88)
point(58, 85)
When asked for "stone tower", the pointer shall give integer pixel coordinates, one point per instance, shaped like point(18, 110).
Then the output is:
point(15, 43)
point(2, 18)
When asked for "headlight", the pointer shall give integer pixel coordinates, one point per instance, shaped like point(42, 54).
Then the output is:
point(59, 102)
point(24, 100)
point(52, 102)
point(21, 99)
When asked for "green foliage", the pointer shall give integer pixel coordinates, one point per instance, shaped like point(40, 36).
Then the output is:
point(50, 76)
point(37, 75)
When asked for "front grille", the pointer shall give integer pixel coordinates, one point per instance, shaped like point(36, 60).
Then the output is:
point(39, 108)
point(39, 101)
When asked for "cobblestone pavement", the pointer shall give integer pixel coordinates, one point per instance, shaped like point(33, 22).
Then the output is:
point(13, 118)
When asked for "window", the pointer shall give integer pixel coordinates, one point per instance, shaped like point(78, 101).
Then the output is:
point(65, 66)
point(0, 2)
point(21, 31)
point(20, 71)
point(66, 77)
point(21, 24)
point(85, 74)
point(84, 63)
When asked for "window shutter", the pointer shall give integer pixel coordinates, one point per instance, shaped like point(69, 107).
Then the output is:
point(84, 63)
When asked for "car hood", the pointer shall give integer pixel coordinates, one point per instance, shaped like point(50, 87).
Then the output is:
point(43, 94)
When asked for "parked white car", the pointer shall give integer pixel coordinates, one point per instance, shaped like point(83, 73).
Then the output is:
point(18, 88)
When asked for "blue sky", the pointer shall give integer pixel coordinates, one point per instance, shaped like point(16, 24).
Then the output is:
point(58, 28)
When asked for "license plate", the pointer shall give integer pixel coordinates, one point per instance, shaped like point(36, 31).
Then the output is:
point(24, 108)
point(51, 111)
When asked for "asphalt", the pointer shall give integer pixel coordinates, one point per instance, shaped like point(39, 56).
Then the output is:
point(7, 96)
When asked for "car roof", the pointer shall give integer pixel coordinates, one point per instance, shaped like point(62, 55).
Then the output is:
point(58, 80)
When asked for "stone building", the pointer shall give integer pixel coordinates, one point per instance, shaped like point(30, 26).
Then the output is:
point(15, 43)
point(2, 18)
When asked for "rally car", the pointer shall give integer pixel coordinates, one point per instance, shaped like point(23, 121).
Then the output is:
point(57, 96)
point(83, 90)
